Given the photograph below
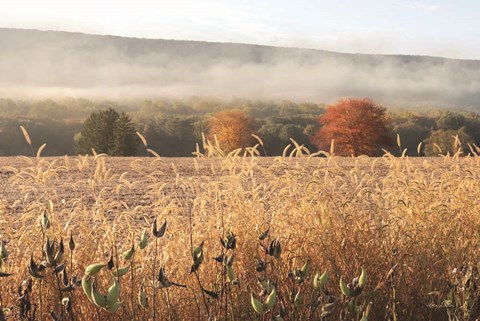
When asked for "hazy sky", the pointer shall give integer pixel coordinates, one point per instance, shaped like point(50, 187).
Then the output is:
point(441, 28)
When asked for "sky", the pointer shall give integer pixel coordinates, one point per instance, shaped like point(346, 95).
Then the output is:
point(437, 28)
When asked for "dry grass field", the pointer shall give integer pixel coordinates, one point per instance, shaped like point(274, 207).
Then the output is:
point(412, 225)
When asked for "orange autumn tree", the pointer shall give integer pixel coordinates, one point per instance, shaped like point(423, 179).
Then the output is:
point(233, 129)
point(357, 127)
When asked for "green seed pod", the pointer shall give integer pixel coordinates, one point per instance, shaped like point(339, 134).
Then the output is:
point(350, 307)
point(98, 298)
point(87, 282)
point(364, 318)
point(305, 268)
point(142, 299)
point(143, 240)
point(362, 280)
point(271, 299)
point(230, 273)
point(121, 271)
point(198, 255)
point(266, 286)
point(344, 288)
point(257, 305)
point(113, 308)
point(127, 255)
point(113, 293)
point(319, 281)
point(93, 269)
point(44, 220)
point(3, 252)
point(278, 318)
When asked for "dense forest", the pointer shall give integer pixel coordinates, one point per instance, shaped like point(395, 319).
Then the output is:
point(172, 127)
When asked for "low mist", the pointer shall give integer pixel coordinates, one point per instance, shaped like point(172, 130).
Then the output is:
point(38, 64)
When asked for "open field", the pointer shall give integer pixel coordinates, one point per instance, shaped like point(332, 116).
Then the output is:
point(411, 223)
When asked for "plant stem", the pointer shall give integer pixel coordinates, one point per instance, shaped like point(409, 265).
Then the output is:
point(153, 280)
point(59, 295)
point(132, 299)
point(203, 294)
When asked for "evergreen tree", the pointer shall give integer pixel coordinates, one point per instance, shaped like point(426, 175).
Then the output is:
point(108, 132)
point(124, 143)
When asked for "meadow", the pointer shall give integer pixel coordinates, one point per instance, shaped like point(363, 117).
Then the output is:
point(240, 237)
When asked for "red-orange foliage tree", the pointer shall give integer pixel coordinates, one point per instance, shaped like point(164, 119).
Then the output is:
point(357, 126)
point(233, 129)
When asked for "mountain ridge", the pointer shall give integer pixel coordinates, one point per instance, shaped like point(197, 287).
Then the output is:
point(79, 33)
point(47, 63)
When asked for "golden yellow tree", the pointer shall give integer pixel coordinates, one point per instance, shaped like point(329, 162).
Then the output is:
point(233, 129)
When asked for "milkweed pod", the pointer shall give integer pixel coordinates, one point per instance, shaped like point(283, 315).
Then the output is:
point(113, 293)
point(278, 250)
point(257, 305)
point(159, 232)
point(350, 307)
point(121, 271)
point(3, 251)
point(61, 250)
point(49, 250)
point(93, 269)
point(71, 243)
point(319, 281)
point(304, 269)
point(142, 299)
point(33, 269)
point(278, 318)
point(154, 227)
point(362, 280)
point(264, 234)
point(230, 259)
point(143, 240)
point(87, 282)
point(45, 222)
point(98, 298)
point(271, 299)
point(364, 318)
point(213, 295)
point(344, 288)
point(114, 307)
point(230, 273)
point(198, 255)
point(110, 263)
point(127, 255)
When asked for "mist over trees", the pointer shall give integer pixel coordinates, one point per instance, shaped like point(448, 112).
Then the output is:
point(121, 67)
point(172, 127)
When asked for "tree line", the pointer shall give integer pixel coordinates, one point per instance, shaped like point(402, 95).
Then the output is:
point(172, 127)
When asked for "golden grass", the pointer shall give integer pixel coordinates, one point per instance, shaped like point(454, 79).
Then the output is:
point(408, 222)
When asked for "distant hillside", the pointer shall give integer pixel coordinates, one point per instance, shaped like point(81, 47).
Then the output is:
point(61, 63)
